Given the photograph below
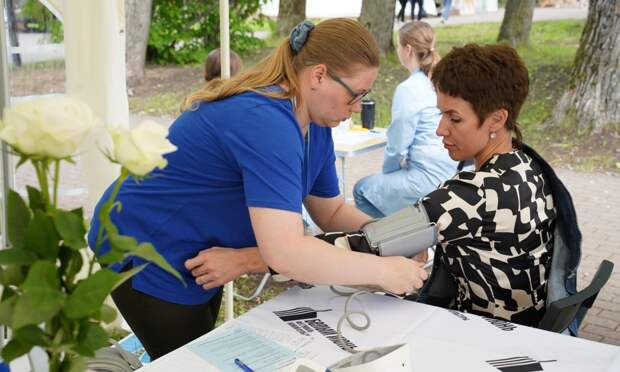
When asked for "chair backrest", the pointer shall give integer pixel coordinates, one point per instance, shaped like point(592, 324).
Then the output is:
point(562, 312)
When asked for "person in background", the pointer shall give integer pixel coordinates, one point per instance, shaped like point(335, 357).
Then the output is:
point(251, 150)
point(213, 64)
point(445, 10)
point(401, 13)
point(415, 161)
point(421, 12)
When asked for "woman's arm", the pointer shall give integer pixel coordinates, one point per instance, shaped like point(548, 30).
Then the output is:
point(333, 214)
point(284, 247)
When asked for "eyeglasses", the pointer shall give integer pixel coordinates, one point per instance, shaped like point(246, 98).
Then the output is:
point(355, 97)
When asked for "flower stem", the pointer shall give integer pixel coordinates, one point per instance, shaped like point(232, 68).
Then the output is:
point(56, 176)
point(106, 209)
point(40, 167)
point(54, 362)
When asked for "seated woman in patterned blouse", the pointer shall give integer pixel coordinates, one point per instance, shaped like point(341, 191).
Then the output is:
point(495, 223)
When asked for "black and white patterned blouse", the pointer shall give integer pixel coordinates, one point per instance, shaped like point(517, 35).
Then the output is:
point(496, 236)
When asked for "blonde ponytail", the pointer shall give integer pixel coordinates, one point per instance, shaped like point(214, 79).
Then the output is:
point(342, 44)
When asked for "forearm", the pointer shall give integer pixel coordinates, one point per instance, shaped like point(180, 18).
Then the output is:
point(346, 218)
point(317, 262)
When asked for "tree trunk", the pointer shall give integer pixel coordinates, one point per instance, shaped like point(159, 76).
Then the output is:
point(290, 13)
point(137, 24)
point(592, 102)
point(378, 17)
point(517, 22)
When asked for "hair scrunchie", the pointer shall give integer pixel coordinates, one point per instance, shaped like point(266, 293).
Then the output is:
point(299, 35)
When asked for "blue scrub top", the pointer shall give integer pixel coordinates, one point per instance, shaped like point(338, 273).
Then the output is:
point(243, 151)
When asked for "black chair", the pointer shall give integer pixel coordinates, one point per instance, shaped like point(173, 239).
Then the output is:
point(562, 312)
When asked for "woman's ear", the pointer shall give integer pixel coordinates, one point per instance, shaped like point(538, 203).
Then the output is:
point(410, 50)
point(317, 75)
point(497, 119)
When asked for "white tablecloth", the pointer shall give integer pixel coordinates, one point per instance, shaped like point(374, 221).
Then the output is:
point(440, 340)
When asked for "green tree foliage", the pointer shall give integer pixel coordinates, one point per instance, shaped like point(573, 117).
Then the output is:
point(184, 31)
point(36, 17)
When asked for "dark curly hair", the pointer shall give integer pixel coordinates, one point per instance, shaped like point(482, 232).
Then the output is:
point(489, 77)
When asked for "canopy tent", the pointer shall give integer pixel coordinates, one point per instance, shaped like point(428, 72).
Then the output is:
point(94, 38)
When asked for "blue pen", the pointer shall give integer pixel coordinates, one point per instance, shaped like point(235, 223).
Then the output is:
point(243, 366)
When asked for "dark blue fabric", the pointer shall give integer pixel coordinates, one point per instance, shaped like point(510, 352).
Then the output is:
point(567, 226)
point(243, 151)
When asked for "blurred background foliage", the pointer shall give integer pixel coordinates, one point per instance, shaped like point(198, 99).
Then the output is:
point(184, 31)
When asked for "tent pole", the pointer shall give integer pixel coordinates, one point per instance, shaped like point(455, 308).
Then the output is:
point(229, 289)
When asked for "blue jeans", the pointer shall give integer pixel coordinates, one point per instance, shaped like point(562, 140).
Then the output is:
point(445, 10)
point(364, 204)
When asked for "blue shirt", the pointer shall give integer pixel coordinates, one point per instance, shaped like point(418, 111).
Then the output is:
point(411, 138)
point(243, 151)
point(415, 161)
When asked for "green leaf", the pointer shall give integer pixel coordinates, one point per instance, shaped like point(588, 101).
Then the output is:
point(13, 275)
point(91, 338)
point(107, 314)
point(42, 298)
point(22, 159)
point(71, 229)
point(123, 242)
point(113, 256)
point(90, 293)
point(125, 275)
point(71, 262)
point(6, 310)
point(147, 251)
point(7, 292)
point(41, 236)
point(14, 349)
point(16, 256)
point(78, 212)
point(35, 198)
point(18, 219)
point(73, 364)
point(32, 335)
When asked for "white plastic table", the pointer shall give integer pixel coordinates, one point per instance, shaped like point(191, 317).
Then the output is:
point(439, 339)
point(355, 142)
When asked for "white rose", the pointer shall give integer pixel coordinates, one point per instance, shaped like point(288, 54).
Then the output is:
point(50, 126)
point(140, 150)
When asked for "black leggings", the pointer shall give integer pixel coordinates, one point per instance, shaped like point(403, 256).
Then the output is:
point(164, 326)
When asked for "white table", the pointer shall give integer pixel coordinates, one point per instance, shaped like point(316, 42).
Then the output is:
point(440, 340)
point(355, 142)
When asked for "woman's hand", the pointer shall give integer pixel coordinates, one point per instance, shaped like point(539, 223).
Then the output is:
point(217, 266)
point(402, 275)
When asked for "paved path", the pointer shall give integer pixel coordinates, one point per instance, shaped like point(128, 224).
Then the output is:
point(540, 14)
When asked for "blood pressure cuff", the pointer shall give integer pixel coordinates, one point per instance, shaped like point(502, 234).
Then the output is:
point(404, 233)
